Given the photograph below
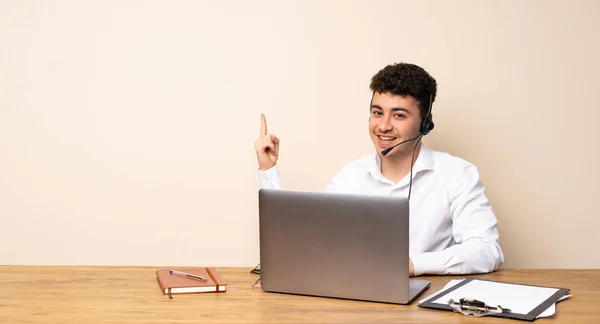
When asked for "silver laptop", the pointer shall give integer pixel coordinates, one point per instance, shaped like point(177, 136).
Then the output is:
point(336, 245)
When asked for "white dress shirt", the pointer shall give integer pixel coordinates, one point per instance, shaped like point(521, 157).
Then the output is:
point(453, 229)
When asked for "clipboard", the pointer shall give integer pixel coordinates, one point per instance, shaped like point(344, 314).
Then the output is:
point(526, 302)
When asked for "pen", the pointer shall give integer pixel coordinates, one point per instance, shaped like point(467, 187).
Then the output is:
point(185, 274)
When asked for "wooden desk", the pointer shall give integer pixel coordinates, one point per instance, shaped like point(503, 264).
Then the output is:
point(49, 294)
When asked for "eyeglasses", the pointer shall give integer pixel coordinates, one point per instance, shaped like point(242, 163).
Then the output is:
point(256, 270)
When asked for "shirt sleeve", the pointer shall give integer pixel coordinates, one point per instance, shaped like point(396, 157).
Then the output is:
point(332, 185)
point(474, 227)
point(270, 179)
point(336, 184)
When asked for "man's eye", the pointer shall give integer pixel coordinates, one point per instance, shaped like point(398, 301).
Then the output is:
point(377, 113)
point(400, 116)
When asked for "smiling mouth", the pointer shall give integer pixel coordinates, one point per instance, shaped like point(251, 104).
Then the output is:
point(386, 138)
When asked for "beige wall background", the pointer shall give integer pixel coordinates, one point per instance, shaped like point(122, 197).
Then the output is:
point(127, 127)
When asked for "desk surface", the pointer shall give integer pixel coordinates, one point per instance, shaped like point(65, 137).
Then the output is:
point(64, 294)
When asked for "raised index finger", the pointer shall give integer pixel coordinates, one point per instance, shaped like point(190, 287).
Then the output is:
point(263, 125)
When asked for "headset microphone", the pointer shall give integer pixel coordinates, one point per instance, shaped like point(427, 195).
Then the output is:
point(387, 150)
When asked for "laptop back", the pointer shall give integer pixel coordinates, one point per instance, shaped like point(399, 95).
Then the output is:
point(334, 245)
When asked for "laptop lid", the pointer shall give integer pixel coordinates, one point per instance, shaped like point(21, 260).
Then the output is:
point(335, 245)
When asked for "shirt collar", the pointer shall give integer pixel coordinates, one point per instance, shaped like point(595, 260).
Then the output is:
point(423, 162)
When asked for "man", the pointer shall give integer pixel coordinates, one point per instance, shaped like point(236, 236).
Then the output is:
point(453, 229)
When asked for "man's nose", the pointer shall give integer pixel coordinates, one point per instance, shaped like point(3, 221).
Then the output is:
point(385, 125)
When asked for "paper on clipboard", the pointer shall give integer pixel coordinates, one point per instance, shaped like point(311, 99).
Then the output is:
point(548, 312)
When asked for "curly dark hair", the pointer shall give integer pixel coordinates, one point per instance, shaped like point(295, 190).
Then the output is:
point(403, 79)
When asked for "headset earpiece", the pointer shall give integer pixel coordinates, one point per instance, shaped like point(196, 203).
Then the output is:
point(427, 124)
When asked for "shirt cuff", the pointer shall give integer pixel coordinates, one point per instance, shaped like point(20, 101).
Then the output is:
point(429, 263)
point(270, 178)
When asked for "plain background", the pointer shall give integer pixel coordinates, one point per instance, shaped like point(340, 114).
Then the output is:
point(127, 128)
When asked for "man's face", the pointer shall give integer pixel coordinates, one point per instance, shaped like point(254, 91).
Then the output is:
point(394, 119)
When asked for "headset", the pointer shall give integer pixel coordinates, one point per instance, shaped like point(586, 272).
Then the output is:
point(427, 124)
point(426, 127)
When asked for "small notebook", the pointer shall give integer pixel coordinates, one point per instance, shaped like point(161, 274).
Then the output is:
point(176, 284)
